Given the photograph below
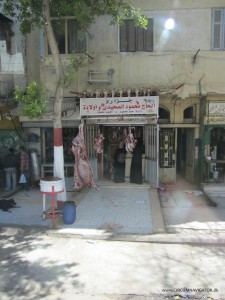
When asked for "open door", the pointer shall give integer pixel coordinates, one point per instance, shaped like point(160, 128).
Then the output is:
point(167, 155)
point(152, 154)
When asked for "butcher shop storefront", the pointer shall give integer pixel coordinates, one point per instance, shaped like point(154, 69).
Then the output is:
point(121, 122)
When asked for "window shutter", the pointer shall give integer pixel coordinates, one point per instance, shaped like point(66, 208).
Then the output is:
point(59, 31)
point(123, 38)
point(75, 41)
point(136, 38)
point(223, 37)
point(217, 18)
point(149, 36)
point(218, 28)
point(140, 33)
point(71, 36)
point(131, 34)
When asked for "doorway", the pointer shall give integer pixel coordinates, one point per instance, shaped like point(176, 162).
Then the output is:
point(102, 163)
point(113, 136)
point(186, 154)
point(167, 155)
point(176, 154)
point(181, 152)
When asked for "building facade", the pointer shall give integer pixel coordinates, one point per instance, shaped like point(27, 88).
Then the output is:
point(12, 73)
point(179, 58)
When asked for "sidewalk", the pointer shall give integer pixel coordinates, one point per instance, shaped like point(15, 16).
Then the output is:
point(113, 210)
point(192, 214)
point(177, 213)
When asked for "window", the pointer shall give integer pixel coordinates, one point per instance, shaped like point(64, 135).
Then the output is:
point(218, 29)
point(164, 115)
point(68, 37)
point(6, 32)
point(135, 38)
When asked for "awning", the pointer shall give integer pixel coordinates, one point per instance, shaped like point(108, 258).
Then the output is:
point(122, 120)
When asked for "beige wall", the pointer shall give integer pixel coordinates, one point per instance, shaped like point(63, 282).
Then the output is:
point(168, 66)
point(176, 4)
point(33, 56)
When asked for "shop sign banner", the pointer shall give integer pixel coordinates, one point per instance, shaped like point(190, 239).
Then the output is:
point(217, 108)
point(148, 105)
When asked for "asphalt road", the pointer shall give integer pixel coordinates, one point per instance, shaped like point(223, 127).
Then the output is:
point(36, 265)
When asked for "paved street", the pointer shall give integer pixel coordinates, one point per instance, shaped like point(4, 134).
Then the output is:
point(105, 257)
point(35, 265)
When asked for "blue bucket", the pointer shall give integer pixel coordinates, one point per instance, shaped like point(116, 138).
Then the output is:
point(69, 212)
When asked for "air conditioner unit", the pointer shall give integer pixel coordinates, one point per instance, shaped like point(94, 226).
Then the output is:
point(100, 77)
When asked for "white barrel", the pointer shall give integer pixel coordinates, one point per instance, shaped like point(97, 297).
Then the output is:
point(47, 183)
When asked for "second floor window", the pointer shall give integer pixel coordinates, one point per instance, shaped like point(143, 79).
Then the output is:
point(68, 37)
point(6, 32)
point(218, 29)
point(136, 38)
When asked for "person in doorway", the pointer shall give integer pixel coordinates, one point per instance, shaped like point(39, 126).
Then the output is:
point(136, 163)
point(24, 167)
point(10, 167)
point(119, 163)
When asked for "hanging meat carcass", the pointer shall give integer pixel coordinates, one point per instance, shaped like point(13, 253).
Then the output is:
point(130, 142)
point(115, 136)
point(83, 173)
point(124, 136)
point(98, 145)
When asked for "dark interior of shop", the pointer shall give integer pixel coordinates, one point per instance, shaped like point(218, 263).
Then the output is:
point(113, 136)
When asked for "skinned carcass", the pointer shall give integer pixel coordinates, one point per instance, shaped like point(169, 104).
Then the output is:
point(83, 173)
point(130, 142)
point(98, 145)
point(115, 136)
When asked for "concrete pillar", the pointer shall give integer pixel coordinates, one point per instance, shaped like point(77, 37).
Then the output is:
point(127, 166)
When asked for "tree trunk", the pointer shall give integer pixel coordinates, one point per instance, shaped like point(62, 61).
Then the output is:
point(57, 117)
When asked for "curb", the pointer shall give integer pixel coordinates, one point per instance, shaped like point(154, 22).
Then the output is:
point(158, 238)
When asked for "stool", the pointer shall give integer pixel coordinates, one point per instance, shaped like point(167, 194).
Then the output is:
point(51, 213)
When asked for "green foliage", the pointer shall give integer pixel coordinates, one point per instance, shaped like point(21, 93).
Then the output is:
point(76, 61)
point(33, 101)
point(85, 11)
point(29, 12)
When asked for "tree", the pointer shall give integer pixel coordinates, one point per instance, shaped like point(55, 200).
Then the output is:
point(37, 14)
point(33, 102)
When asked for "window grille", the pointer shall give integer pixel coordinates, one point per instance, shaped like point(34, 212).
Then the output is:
point(167, 148)
point(151, 142)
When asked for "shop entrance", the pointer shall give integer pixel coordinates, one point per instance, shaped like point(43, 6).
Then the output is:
point(214, 163)
point(102, 163)
point(176, 154)
point(114, 135)
point(181, 152)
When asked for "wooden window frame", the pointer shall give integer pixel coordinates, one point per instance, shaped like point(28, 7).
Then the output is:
point(133, 39)
point(77, 48)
